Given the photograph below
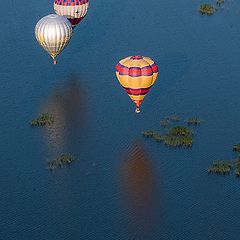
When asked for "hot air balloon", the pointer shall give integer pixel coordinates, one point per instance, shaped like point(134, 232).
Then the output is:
point(74, 10)
point(137, 75)
point(53, 32)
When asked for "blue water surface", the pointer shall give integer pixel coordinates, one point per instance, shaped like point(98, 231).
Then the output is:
point(121, 186)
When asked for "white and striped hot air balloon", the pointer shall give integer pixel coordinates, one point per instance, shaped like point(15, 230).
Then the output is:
point(53, 33)
point(74, 10)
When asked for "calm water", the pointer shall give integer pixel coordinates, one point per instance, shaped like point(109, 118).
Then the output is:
point(122, 186)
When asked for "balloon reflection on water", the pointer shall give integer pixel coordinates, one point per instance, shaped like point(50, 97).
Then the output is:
point(139, 186)
point(67, 105)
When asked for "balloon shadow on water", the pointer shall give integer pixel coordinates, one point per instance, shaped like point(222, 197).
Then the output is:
point(68, 105)
point(140, 190)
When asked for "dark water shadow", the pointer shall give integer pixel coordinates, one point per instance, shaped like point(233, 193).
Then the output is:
point(140, 190)
point(68, 105)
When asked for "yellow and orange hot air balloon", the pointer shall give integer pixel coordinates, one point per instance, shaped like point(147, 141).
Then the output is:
point(137, 75)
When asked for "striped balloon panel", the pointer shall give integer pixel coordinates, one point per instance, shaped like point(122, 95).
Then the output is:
point(70, 2)
point(74, 13)
point(53, 32)
point(137, 75)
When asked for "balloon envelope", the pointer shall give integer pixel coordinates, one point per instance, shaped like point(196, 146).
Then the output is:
point(75, 10)
point(53, 33)
point(137, 75)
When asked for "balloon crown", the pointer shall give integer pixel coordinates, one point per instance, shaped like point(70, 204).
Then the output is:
point(136, 57)
point(70, 2)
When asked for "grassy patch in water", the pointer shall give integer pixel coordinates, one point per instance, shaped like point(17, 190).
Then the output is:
point(177, 141)
point(149, 133)
point(225, 167)
point(60, 161)
point(176, 137)
point(193, 121)
point(42, 120)
point(236, 147)
point(220, 167)
point(174, 118)
point(178, 131)
point(170, 119)
point(237, 168)
point(207, 9)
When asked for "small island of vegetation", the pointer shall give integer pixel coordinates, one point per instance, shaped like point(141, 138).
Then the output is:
point(237, 169)
point(60, 161)
point(193, 121)
point(42, 120)
point(207, 9)
point(149, 133)
point(178, 136)
point(167, 120)
point(226, 167)
point(174, 135)
point(220, 167)
point(174, 118)
point(180, 131)
point(236, 147)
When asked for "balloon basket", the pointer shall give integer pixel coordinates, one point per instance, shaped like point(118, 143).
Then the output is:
point(137, 110)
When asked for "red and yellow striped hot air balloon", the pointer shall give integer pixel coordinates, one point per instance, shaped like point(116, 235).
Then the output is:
point(137, 75)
